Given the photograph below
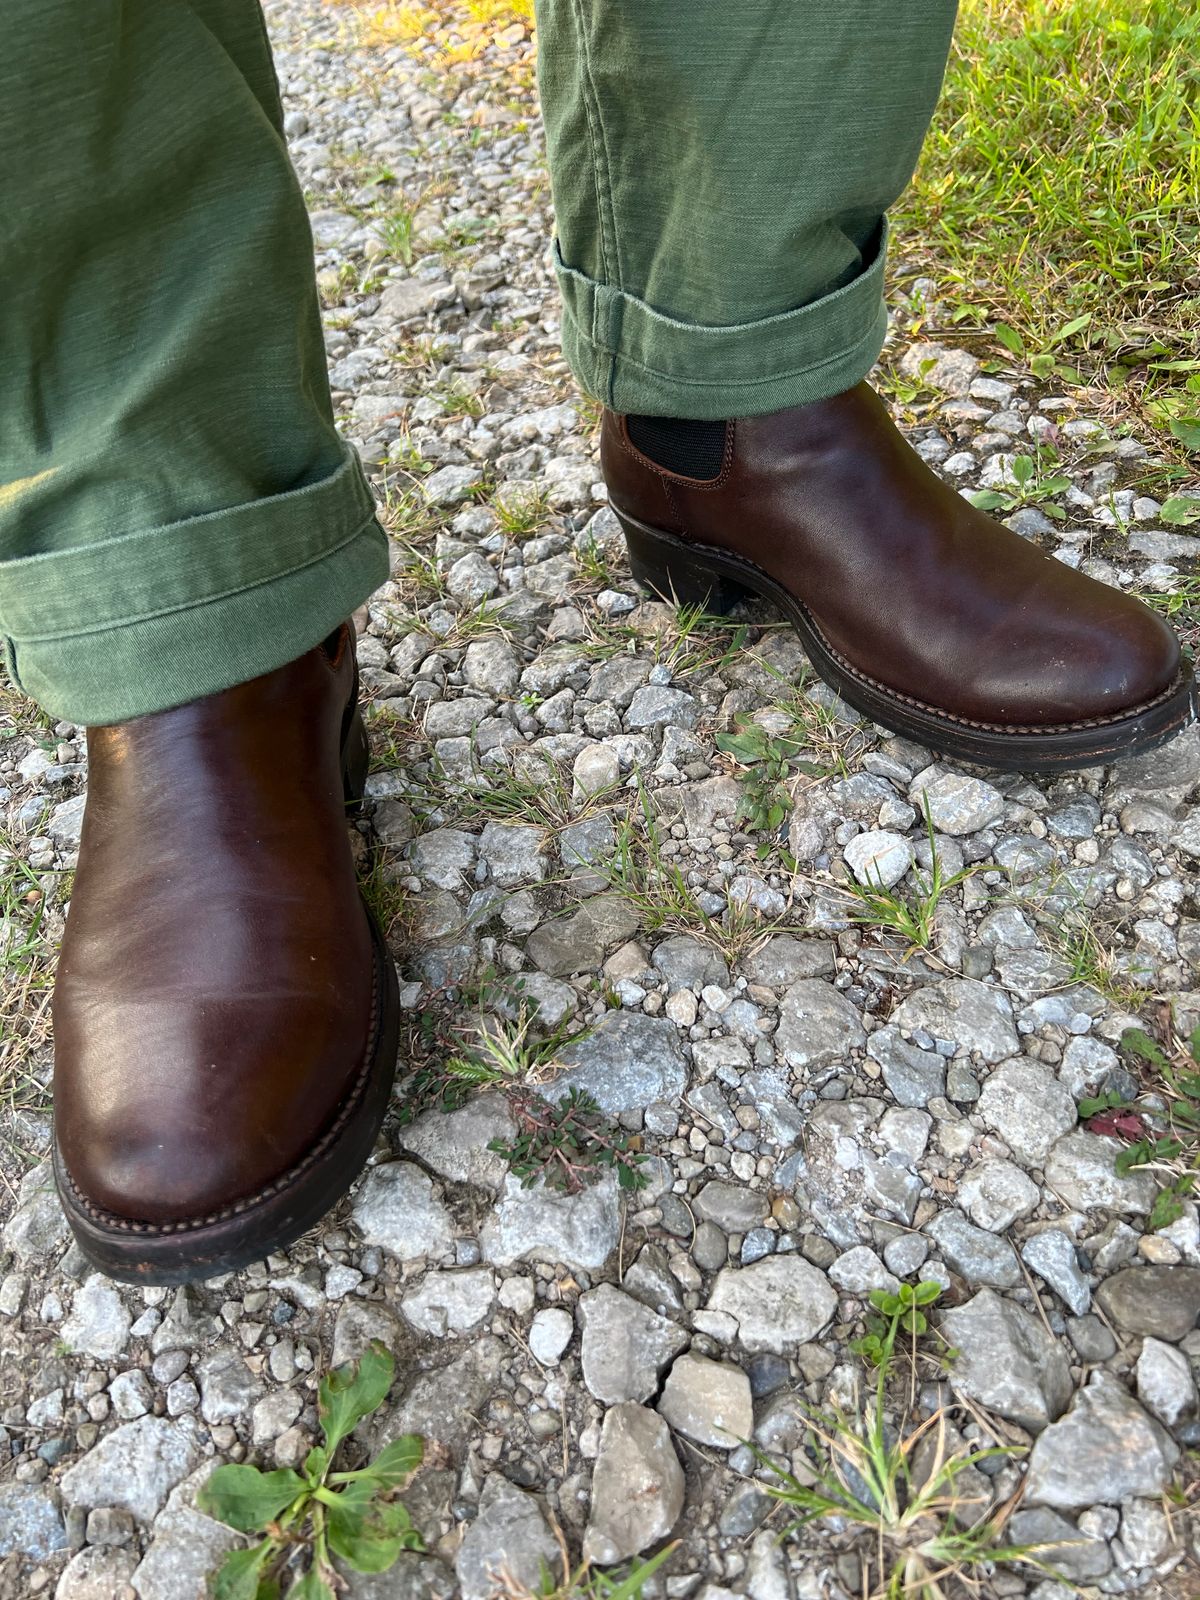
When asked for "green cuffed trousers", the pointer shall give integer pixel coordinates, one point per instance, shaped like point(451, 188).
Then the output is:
point(177, 511)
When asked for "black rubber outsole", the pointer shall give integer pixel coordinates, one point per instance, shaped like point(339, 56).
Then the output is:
point(693, 574)
point(248, 1230)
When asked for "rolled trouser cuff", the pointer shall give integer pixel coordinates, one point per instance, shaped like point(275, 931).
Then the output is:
point(636, 359)
point(223, 598)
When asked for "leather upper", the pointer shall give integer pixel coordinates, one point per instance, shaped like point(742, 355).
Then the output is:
point(214, 992)
point(906, 580)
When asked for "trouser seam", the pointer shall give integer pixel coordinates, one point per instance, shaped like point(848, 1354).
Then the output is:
point(610, 253)
point(203, 600)
point(623, 358)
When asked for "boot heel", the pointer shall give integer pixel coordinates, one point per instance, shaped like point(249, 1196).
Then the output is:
point(356, 758)
point(681, 576)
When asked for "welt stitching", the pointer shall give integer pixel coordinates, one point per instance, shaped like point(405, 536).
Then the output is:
point(924, 705)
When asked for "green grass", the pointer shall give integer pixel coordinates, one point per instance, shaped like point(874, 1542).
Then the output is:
point(521, 512)
point(1181, 603)
point(27, 958)
point(1061, 179)
point(918, 1529)
point(911, 915)
point(1093, 962)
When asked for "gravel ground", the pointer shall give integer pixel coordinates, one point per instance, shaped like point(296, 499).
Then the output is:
point(554, 838)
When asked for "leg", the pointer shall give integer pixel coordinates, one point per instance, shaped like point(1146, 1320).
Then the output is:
point(182, 533)
point(721, 175)
point(177, 513)
point(721, 188)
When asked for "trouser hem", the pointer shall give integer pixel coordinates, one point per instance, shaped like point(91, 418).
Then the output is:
point(635, 359)
point(235, 594)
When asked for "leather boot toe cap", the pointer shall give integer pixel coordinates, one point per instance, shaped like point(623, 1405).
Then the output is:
point(159, 1145)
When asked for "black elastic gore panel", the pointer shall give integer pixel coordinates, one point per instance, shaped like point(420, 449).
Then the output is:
point(693, 449)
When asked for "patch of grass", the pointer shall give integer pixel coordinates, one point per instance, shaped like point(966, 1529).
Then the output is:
point(395, 229)
point(521, 513)
point(594, 567)
point(27, 960)
point(1061, 179)
point(385, 896)
point(392, 738)
point(416, 572)
point(651, 884)
point(309, 1518)
point(546, 800)
point(1095, 963)
point(582, 1582)
point(898, 1486)
point(506, 1052)
point(701, 642)
point(476, 622)
point(658, 892)
point(404, 510)
point(910, 915)
point(460, 402)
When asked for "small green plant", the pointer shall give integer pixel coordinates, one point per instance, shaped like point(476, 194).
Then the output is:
point(1183, 598)
point(458, 401)
point(1180, 510)
point(521, 512)
point(768, 760)
point(911, 916)
point(1187, 431)
point(1095, 963)
point(593, 564)
point(384, 893)
point(351, 1515)
point(650, 883)
point(27, 954)
point(566, 1144)
point(895, 1313)
point(505, 1053)
point(899, 1484)
point(543, 794)
point(700, 642)
point(1032, 485)
point(585, 1582)
point(907, 391)
point(1045, 363)
point(1161, 1131)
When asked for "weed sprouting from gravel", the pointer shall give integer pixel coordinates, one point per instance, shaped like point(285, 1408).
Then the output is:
point(1161, 1126)
point(902, 1485)
point(566, 1144)
point(27, 960)
point(911, 915)
point(306, 1519)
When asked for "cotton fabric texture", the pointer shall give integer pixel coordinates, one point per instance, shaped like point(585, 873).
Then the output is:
point(177, 511)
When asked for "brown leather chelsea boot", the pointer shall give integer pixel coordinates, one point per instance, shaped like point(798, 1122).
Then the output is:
point(920, 611)
point(225, 1012)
